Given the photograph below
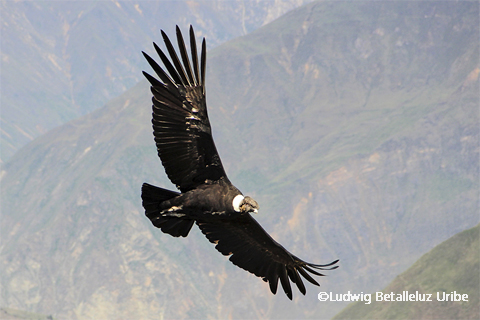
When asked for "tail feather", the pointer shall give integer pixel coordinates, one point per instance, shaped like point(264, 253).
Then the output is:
point(152, 197)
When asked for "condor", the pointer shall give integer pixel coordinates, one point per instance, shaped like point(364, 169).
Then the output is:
point(207, 197)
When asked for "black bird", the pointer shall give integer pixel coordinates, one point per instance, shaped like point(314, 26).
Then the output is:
point(185, 146)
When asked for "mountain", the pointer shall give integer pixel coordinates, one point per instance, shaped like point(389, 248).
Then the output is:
point(452, 266)
point(63, 59)
point(354, 125)
point(12, 314)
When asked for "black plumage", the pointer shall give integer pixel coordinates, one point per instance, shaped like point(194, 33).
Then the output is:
point(185, 146)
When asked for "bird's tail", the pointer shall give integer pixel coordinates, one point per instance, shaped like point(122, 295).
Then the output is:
point(152, 197)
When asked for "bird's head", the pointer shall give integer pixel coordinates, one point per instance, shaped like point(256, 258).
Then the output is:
point(245, 204)
point(249, 205)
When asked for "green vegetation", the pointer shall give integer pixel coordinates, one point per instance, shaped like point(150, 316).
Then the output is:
point(452, 266)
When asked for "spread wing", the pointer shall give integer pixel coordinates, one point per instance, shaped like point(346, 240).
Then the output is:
point(180, 122)
point(251, 248)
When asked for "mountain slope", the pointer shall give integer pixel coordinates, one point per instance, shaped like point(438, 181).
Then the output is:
point(11, 314)
point(63, 59)
point(452, 266)
point(355, 127)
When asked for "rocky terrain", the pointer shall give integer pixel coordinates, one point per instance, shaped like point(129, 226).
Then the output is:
point(63, 59)
point(354, 125)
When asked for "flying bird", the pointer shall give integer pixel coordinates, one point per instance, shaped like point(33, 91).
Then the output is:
point(207, 198)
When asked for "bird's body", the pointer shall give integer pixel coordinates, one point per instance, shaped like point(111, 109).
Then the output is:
point(211, 198)
point(185, 146)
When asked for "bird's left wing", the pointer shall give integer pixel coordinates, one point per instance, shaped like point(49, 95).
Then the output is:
point(180, 122)
point(251, 248)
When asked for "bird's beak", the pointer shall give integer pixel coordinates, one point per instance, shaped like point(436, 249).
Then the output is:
point(255, 211)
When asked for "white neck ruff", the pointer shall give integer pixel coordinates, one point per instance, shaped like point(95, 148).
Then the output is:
point(236, 202)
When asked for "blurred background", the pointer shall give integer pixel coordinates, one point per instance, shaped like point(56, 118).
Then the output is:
point(353, 124)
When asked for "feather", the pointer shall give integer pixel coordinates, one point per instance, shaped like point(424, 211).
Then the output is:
point(203, 63)
point(175, 77)
point(298, 281)
point(312, 271)
point(273, 279)
point(183, 53)
point(307, 276)
point(175, 60)
point(158, 70)
point(285, 283)
point(193, 48)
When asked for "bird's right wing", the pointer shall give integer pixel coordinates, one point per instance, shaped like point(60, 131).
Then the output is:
point(252, 249)
point(180, 122)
